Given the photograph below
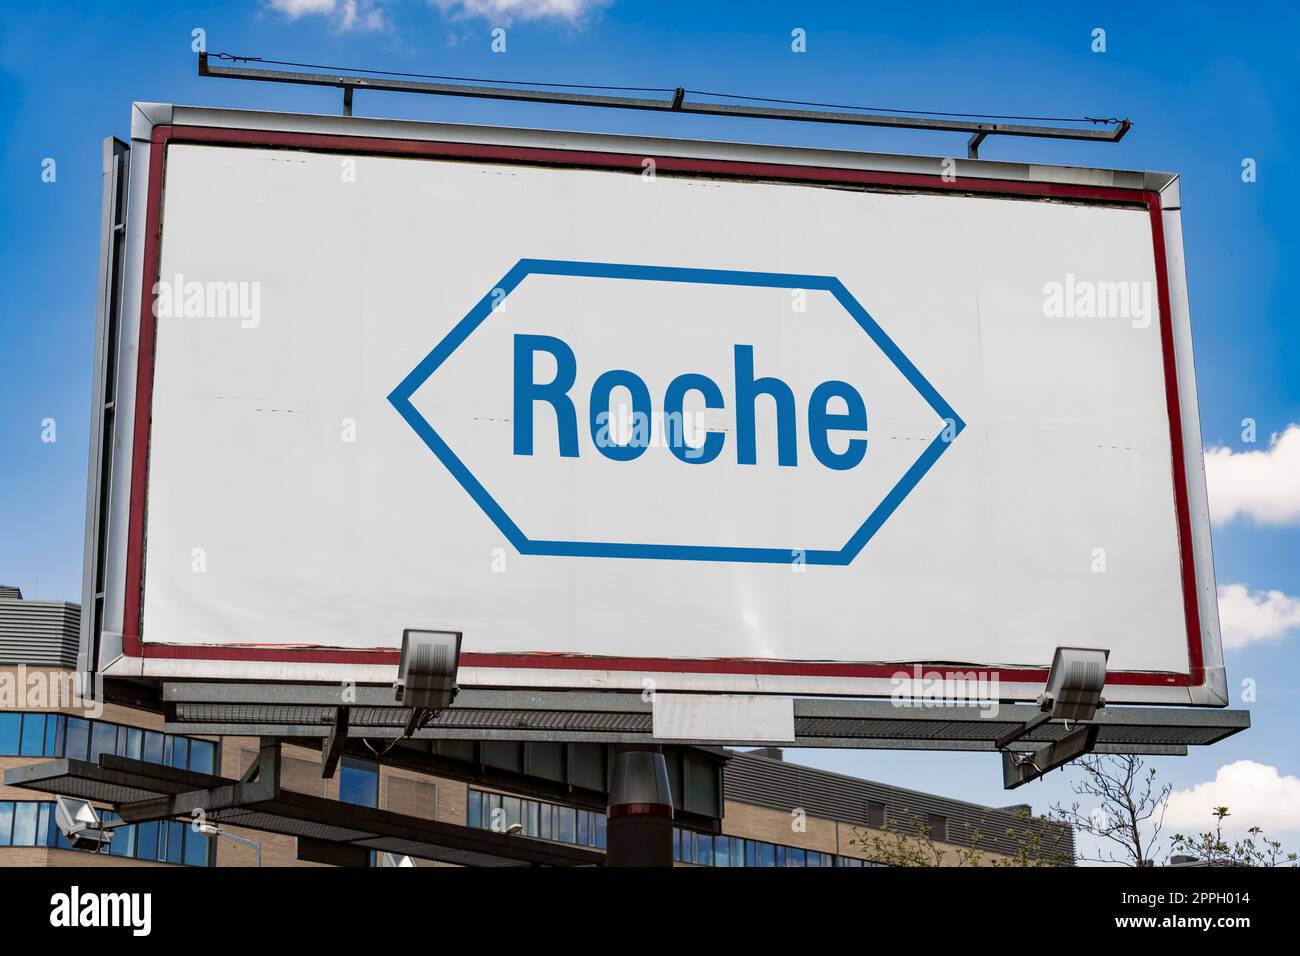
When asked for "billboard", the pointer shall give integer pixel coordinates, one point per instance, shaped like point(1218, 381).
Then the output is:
point(728, 418)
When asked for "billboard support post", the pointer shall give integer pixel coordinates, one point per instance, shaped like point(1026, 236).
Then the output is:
point(640, 829)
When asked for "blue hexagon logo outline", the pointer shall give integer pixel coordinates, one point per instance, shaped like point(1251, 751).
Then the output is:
point(401, 396)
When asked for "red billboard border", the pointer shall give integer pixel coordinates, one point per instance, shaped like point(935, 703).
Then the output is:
point(163, 135)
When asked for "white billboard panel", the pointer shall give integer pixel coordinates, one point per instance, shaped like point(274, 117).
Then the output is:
point(703, 420)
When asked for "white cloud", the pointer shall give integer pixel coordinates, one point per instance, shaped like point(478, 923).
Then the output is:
point(1255, 794)
point(1247, 618)
point(1263, 485)
point(346, 15)
point(505, 12)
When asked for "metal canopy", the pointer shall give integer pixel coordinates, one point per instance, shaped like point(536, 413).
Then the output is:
point(309, 711)
point(141, 791)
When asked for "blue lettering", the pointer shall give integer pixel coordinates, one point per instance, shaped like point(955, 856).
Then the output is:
point(747, 390)
point(639, 440)
point(821, 421)
point(674, 424)
point(556, 392)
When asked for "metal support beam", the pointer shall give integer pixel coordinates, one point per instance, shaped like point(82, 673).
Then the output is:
point(1102, 131)
point(973, 145)
point(333, 748)
point(308, 711)
point(1019, 769)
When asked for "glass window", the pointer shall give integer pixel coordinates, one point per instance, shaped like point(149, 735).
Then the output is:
point(203, 756)
point(514, 810)
point(33, 735)
point(77, 743)
point(103, 740)
point(135, 743)
point(781, 856)
point(677, 845)
point(358, 782)
point(43, 825)
point(794, 857)
point(566, 830)
point(153, 746)
point(146, 840)
point(601, 829)
point(704, 849)
point(6, 822)
point(547, 822)
point(10, 730)
point(54, 725)
point(26, 815)
point(196, 848)
point(181, 752)
point(474, 809)
point(175, 841)
point(532, 817)
point(123, 841)
point(722, 851)
point(766, 854)
point(584, 828)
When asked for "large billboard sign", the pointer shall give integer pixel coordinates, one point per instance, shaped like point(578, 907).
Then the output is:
point(726, 418)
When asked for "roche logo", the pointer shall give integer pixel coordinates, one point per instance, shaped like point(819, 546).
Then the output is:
point(626, 411)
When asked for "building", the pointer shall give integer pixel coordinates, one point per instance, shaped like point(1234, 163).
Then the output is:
point(773, 813)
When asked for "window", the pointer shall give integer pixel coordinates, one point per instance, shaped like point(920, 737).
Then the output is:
point(358, 782)
point(103, 740)
point(153, 747)
point(938, 827)
point(146, 841)
point(566, 825)
point(26, 815)
point(33, 735)
point(545, 821)
point(77, 743)
point(513, 807)
point(196, 848)
point(474, 809)
point(11, 727)
point(32, 823)
point(54, 724)
point(704, 850)
point(722, 851)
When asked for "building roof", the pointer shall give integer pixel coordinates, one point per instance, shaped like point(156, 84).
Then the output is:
point(769, 781)
point(38, 633)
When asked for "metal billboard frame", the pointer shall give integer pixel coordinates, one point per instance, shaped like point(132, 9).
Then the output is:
point(123, 651)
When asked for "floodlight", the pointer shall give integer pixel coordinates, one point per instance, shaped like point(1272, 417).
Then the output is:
point(80, 823)
point(1074, 683)
point(426, 675)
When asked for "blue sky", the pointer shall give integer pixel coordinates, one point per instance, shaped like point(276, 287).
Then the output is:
point(1206, 88)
